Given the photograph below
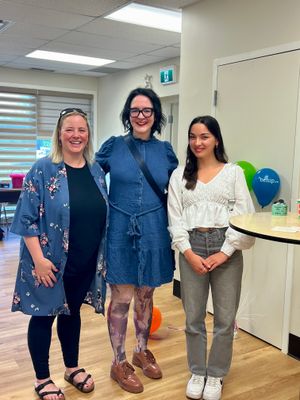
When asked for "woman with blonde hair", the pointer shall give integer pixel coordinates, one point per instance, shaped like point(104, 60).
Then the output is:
point(62, 218)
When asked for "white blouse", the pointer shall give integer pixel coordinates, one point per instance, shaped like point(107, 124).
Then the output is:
point(209, 205)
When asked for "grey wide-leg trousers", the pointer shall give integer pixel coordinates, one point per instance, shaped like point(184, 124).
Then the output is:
point(225, 283)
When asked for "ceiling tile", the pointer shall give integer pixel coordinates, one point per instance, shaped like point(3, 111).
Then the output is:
point(101, 26)
point(92, 8)
point(145, 59)
point(6, 57)
point(78, 27)
point(35, 31)
point(166, 52)
point(20, 41)
point(52, 65)
point(30, 14)
point(126, 64)
point(106, 42)
point(170, 4)
point(87, 50)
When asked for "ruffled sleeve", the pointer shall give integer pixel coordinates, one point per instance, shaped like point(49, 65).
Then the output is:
point(104, 153)
point(243, 205)
point(27, 214)
point(171, 156)
point(179, 234)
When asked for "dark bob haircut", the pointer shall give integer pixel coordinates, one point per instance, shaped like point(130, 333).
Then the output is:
point(159, 117)
point(191, 166)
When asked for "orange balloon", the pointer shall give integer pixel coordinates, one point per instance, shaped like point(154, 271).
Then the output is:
point(156, 319)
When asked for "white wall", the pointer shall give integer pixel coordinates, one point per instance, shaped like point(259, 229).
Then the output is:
point(47, 80)
point(114, 89)
point(221, 28)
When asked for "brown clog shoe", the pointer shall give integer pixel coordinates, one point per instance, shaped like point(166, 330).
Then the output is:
point(123, 373)
point(146, 361)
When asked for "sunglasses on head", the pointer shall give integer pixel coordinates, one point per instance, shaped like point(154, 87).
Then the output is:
point(71, 110)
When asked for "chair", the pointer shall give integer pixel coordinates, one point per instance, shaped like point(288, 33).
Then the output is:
point(2, 206)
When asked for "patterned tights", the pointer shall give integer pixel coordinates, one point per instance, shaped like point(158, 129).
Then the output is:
point(117, 317)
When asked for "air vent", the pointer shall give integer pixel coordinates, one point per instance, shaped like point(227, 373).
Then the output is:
point(42, 69)
point(106, 70)
point(5, 24)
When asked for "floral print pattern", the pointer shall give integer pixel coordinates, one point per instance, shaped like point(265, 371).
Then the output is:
point(44, 240)
point(28, 186)
point(53, 186)
point(42, 210)
point(38, 215)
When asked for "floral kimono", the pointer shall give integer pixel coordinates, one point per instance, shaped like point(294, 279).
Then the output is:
point(43, 211)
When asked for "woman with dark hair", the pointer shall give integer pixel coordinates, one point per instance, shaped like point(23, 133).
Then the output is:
point(139, 255)
point(203, 195)
point(191, 168)
point(159, 120)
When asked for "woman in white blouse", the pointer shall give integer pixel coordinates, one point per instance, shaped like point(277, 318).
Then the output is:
point(203, 195)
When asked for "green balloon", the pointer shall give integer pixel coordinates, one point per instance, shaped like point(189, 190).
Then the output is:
point(249, 172)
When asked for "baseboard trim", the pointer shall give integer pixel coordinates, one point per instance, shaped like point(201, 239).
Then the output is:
point(176, 288)
point(294, 346)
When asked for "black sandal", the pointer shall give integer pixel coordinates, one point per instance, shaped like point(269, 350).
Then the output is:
point(80, 385)
point(43, 394)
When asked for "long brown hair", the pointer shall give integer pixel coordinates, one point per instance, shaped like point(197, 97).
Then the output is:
point(191, 166)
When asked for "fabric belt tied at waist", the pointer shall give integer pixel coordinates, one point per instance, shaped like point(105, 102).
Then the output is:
point(134, 229)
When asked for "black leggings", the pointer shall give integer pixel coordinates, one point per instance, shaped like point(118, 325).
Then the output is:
point(68, 328)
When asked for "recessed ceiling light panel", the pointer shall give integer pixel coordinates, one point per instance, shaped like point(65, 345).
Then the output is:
point(152, 17)
point(68, 58)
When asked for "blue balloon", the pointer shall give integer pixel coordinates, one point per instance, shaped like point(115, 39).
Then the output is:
point(265, 184)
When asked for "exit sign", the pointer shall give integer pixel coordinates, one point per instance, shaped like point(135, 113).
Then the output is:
point(167, 75)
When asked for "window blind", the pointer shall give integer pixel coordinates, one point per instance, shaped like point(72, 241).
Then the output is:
point(17, 133)
point(51, 104)
point(26, 117)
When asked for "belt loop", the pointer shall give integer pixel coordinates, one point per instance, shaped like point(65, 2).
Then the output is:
point(192, 233)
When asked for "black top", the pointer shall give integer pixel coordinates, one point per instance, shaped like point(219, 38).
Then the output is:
point(87, 220)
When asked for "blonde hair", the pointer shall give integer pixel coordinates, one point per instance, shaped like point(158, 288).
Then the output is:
point(56, 153)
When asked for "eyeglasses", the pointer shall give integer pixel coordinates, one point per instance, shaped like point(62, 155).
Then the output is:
point(146, 112)
point(71, 110)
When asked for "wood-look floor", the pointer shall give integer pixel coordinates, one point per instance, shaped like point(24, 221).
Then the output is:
point(259, 371)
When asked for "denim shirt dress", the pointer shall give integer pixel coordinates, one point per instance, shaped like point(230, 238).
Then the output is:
point(138, 242)
point(43, 211)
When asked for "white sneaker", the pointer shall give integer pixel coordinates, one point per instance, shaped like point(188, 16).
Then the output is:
point(195, 387)
point(213, 388)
